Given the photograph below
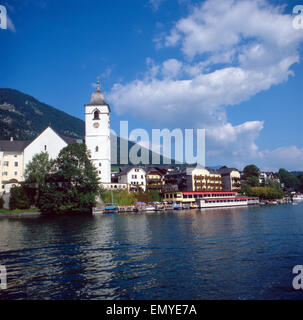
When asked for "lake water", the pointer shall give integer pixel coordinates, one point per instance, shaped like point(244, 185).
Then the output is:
point(243, 253)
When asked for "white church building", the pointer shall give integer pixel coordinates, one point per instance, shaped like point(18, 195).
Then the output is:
point(15, 155)
point(97, 134)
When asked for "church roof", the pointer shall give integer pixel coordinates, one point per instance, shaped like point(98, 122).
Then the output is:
point(69, 140)
point(13, 146)
point(97, 97)
point(19, 146)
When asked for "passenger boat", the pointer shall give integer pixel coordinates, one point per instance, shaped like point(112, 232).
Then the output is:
point(223, 202)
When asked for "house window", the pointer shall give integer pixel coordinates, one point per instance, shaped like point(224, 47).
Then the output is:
point(96, 115)
point(100, 164)
point(45, 147)
point(99, 172)
point(136, 170)
point(5, 163)
point(15, 173)
point(16, 163)
point(4, 173)
point(97, 149)
point(142, 177)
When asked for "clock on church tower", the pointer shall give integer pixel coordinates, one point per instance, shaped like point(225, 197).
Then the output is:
point(97, 134)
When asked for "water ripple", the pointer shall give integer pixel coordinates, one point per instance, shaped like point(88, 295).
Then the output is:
point(244, 253)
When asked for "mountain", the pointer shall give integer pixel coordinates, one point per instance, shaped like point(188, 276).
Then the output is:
point(23, 117)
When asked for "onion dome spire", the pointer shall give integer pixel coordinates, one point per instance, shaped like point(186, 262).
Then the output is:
point(97, 96)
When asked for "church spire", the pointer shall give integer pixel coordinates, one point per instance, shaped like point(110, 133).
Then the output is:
point(98, 84)
point(97, 96)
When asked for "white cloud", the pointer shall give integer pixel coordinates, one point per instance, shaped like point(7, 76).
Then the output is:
point(155, 4)
point(220, 26)
point(288, 157)
point(257, 46)
point(171, 68)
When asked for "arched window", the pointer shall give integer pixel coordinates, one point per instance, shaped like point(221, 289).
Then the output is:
point(96, 115)
point(97, 149)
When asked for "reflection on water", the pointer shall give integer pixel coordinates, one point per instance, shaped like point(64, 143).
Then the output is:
point(245, 253)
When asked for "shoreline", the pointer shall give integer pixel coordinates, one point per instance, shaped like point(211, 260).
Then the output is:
point(32, 214)
point(20, 214)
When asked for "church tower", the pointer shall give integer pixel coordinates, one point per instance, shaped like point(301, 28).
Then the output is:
point(97, 134)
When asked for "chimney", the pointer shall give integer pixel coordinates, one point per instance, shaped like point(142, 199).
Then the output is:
point(12, 139)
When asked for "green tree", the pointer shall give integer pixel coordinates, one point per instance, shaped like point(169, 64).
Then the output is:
point(289, 180)
point(300, 177)
point(251, 171)
point(39, 169)
point(273, 184)
point(246, 189)
point(19, 198)
point(267, 193)
point(75, 186)
point(253, 181)
point(155, 195)
point(51, 199)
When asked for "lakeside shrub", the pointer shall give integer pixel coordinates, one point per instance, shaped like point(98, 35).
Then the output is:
point(265, 193)
point(19, 198)
point(119, 197)
point(126, 198)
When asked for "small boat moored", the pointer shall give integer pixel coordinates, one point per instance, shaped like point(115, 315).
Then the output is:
point(111, 209)
point(194, 206)
point(176, 206)
point(150, 208)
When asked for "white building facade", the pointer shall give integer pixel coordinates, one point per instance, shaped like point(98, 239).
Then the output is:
point(97, 134)
point(15, 155)
point(134, 178)
point(48, 141)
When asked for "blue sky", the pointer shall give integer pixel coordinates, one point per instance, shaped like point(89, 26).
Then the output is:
point(232, 67)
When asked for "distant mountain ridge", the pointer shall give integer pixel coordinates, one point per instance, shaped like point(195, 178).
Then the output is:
point(23, 117)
